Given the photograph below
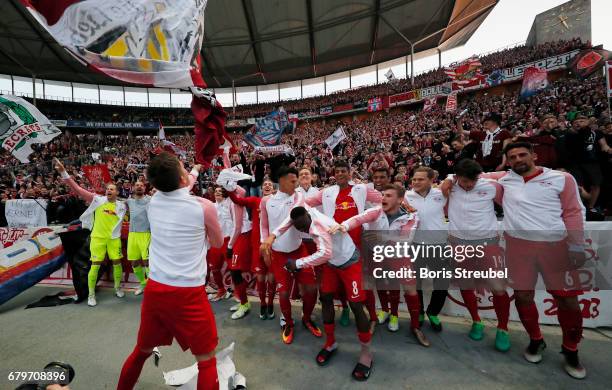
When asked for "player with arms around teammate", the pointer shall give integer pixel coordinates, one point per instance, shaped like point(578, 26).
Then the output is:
point(544, 234)
point(275, 210)
point(175, 305)
point(103, 217)
point(392, 217)
point(472, 223)
point(341, 270)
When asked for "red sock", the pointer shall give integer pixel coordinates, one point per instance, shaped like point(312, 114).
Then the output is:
point(370, 303)
point(529, 318)
point(501, 303)
point(285, 306)
point(207, 375)
point(271, 292)
point(218, 278)
point(364, 337)
point(261, 291)
point(414, 307)
point(394, 298)
point(309, 300)
point(471, 303)
point(241, 292)
point(131, 369)
point(571, 325)
point(330, 335)
point(383, 297)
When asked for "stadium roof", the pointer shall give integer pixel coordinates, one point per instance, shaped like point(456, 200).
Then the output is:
point(254, 42)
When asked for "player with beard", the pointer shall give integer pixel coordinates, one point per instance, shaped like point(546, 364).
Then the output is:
point(275, 210)
point(343, 201)
point(139, 236)
point(544, 234)
point(266, 286)
point(391, 216)
point(342, 269)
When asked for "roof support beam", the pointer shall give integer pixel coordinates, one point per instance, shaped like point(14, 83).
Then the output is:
point(256, 54)
point(313, 49)
point(374, 31)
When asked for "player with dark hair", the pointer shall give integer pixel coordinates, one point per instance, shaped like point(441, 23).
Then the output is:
point(342, 201)
point(342, 270)
point(275, 210)
point(175, 306)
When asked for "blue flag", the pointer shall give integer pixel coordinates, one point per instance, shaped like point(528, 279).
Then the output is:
point(267, 131)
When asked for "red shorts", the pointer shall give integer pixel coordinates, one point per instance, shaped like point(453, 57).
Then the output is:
point(284, 278)
point(525, 259)
point(492, 256)
point(181, 313)
point(350, 277)
point(241, 260)
point(216, 256)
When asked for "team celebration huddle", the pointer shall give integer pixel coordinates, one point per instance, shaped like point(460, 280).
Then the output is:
point(308, 194)
point(298, 240)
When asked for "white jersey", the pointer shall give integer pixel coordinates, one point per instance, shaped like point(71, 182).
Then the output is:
point(274, 211)
point(432, 222)
point(471, 214)
point(224, 214)
point(178, 238)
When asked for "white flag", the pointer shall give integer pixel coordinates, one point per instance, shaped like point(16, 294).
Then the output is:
point(22, 125)
point(337, 136)
point(390, 75)
point(161, 134)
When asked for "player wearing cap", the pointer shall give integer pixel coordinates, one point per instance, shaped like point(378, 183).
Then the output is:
point(175, 306)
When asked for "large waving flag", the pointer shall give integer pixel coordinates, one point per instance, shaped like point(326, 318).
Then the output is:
point(534, 80)
point(144, 42)
point(22, 125)
point(137, 41)
point(268, 130)
point(466, 73)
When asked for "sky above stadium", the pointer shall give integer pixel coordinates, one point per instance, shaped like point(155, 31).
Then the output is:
point(507, 25)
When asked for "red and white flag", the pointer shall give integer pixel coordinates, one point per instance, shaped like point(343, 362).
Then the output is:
point(429, 104)
point(451, 102)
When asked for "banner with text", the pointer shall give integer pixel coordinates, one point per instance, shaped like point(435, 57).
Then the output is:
point(25, 213)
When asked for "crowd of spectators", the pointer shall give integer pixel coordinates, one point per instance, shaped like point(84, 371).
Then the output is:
point(182, 116)
point(568, 123)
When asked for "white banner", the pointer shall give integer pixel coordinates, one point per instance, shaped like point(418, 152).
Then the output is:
point(24, 213)
point(277, 149)
point(22, 125)
point(337, 136)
